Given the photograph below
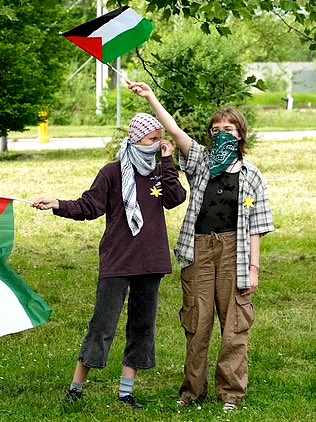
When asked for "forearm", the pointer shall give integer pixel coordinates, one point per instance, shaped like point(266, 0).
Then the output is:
point(254, 264)
point(173, 192)
point(182, 139)
point(164, 117)
point(255, 250)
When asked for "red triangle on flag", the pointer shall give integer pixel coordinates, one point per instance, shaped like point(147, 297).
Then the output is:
point(91, 45)
point(4, 202)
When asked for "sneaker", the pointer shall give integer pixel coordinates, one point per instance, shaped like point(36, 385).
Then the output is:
point(229, 407)
point(131, 401)
point(184, 403)
point(73, 395)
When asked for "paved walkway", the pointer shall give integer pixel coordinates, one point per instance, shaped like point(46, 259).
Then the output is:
point(78, 143)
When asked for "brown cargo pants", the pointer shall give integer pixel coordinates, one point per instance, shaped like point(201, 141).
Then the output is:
point(207, 284)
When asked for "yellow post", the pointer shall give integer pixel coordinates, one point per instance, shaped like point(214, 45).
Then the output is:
point(43, 127)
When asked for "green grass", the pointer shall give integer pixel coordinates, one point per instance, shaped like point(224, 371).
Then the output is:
point(274, 99)
point(59, 259)
point(266, 120)
point(66, 132)
point(284, 120)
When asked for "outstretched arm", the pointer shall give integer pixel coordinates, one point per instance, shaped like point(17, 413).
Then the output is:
point(182, 139)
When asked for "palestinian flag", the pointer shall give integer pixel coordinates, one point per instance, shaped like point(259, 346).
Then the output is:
point(20, 307)
point(112, 35)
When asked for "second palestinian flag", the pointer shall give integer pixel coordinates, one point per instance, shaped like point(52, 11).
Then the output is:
point(112, 35)
point(20, 307)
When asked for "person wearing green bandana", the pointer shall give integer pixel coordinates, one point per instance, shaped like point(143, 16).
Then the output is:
point(218, 250)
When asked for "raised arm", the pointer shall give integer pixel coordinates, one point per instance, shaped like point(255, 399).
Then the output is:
point(182, 139)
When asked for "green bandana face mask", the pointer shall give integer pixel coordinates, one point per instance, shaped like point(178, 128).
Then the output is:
point(223, 153)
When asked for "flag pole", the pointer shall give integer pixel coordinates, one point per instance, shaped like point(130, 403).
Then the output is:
point(101, 69)
point(17, 199)
point(119, 73)
point(118, 93)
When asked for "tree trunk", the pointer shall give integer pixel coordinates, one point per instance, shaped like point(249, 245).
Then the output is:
point(4, 144)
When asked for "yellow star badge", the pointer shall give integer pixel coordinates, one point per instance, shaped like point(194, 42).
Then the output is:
point(249, 202)
point(155, 192)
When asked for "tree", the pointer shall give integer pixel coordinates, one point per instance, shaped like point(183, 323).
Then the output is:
point(298, 15)
point(266, 39)
point(198, 74)
point(32, 61)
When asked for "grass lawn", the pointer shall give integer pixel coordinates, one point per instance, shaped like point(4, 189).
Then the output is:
point(266, 120)
point(66, 132)
point(59, 259)
point(283, 120)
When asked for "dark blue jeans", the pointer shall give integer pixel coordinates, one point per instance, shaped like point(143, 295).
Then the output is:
point(139, 350)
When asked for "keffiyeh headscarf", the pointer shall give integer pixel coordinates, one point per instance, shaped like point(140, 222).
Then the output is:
point(223, 153)
point(143, 158)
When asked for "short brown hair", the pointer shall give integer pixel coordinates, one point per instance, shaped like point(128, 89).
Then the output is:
point(235, 117)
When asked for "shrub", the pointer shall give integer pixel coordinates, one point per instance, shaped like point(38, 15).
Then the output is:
point(130, 105)
point(199, 74)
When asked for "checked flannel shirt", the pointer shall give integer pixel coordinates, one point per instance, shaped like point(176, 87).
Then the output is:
point(251, 220)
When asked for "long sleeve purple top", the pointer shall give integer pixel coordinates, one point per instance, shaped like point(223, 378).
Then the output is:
point(122, 254)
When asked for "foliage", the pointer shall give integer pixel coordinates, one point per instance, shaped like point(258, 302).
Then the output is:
point(74, 101)
point(31, 61)
point(217, 14)
point(130, 105)
point(266, 39)
point(198, 74)
point(113, 147)
point(59, 258)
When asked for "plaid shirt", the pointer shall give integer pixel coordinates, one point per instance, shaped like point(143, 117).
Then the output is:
point(256, 219)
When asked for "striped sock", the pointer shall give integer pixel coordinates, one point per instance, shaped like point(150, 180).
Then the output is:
point(76, 386)
point(126, 386)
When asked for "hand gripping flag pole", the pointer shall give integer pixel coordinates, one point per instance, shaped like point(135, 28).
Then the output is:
point(112, 35)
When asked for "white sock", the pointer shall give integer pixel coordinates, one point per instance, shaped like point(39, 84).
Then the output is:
point(126, 386)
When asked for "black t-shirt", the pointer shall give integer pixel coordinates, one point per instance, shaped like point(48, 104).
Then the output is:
point(219, 210)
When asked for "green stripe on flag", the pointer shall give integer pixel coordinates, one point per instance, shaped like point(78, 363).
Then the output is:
point(6, 233)
point(127, 41)
point(34, 306)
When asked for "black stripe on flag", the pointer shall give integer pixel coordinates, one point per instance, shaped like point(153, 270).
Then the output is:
point(87, 28)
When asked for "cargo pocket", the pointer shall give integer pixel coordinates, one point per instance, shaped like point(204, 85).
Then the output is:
point(244, 314)
point(188, 314)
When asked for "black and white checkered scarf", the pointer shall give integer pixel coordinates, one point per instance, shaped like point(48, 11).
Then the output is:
point(143, 158)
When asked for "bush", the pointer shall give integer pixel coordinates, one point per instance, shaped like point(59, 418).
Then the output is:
point(75, 101)
point(114, 146)
point(199, 74)
point(130, 105)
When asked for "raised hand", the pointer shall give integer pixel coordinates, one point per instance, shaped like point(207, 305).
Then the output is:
point(141, 89)
point(166, 148)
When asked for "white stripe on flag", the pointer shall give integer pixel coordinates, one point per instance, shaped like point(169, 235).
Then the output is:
point(121, 23)
point(12, 315)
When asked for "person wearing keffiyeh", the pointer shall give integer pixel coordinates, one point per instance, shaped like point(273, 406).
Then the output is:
point(218, 249)
point(143, 158)
point(134, 252)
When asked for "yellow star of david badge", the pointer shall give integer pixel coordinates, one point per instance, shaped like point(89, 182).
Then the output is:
point(156, 192)
point(249, 202)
